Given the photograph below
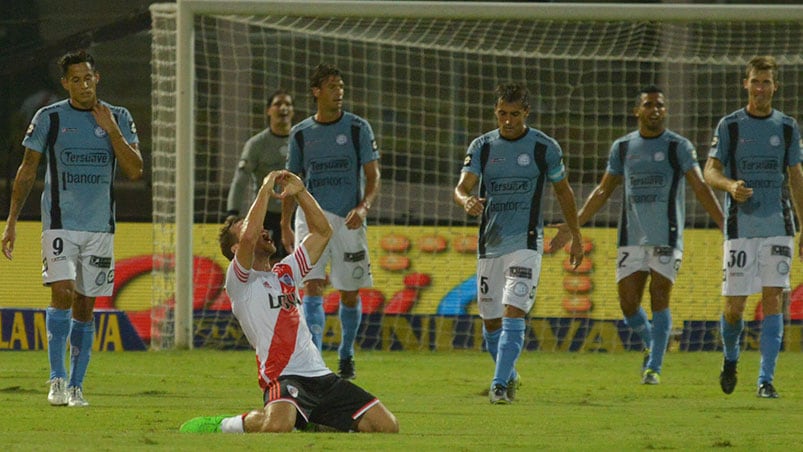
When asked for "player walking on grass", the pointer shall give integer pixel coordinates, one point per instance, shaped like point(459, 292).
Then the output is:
point(83, 140)
point(298, 388)
point(511, 166)
point(263, 153)
point(653, 163)
point(755, 158)
point(336, 154)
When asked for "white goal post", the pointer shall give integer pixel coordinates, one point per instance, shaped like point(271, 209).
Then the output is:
point(561, 36)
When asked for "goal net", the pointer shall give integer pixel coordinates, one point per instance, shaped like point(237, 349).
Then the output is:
point(423, 75)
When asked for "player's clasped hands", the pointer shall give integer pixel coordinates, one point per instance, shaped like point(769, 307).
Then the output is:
point(291, 184)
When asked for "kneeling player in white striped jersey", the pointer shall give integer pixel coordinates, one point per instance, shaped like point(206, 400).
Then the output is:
point(299, 390)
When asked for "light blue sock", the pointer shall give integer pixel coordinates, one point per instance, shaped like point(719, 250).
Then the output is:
point(81, 339)
point(350, 319)
point(511, 342)
point(731, 334)
point(661, 328)
point(492, 344)
point(640, 325)
point(771, 337)
point(316, 318)
point(57, 322)
point(491, 341)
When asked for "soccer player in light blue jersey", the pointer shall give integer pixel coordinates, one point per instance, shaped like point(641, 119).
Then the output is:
point(336, 153)
point(83, 140)
point(653, 162)
point(511, 166)
point(755, 158)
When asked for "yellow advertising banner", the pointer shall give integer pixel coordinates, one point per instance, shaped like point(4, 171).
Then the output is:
point(417, 270)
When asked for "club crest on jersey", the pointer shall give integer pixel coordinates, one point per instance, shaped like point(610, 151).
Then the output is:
point(282, 272)
point(99, 132)
point(775, 140)
point(660, 156)
point(341, 139)
point(523, 159)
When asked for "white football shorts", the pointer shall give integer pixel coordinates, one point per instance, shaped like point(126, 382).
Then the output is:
point(347, 254)
point(511, 279)
point(665, 260)
point(84, 257)
point(748, 264)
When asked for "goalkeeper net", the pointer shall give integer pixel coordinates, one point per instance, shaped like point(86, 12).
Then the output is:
point(426, 86)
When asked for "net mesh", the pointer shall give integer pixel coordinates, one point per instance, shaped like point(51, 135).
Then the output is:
point(426, 86)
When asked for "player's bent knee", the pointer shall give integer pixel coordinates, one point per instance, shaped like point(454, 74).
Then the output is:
point(275, 418)
point(378, 420)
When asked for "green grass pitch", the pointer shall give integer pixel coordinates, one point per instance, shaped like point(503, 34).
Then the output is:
point(568, 401)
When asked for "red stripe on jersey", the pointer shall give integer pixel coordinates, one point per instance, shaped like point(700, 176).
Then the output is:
point(274, 390)
point(301, 260)
point(284, 342)
point(240, 273)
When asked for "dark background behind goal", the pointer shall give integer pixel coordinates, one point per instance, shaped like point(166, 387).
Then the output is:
point(34, 33)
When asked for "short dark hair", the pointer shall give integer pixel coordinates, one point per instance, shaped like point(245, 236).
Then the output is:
point(75, 57)
point(321, 73)
point(279, 92)
point(649, 89)
point(512, 93)
point(762, 63)
point(227, 238)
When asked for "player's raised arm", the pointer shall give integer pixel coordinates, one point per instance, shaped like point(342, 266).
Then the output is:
point(251, 229)
point(320, 231)
point(128, 155)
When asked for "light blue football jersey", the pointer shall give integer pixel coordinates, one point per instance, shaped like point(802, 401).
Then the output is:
point(79, 182)
point(759, 155)
point(513, 176)
point(330, 158)
point(654, 195)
